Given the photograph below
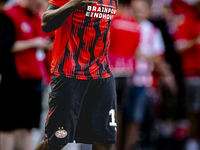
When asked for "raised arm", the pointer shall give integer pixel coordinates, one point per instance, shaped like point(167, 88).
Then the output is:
point(55, 16)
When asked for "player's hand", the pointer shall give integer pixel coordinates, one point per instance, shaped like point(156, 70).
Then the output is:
point(82, 3)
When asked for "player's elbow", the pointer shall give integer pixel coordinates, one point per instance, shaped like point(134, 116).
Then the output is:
point(49, 26)
point(45, 27)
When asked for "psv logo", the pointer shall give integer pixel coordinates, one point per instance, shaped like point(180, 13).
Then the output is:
point(61, 134)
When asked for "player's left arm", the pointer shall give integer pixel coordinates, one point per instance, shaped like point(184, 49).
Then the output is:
point(55, 16)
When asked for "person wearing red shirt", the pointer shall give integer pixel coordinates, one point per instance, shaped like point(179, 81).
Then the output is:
point(82, 100)
point(186, 37)
point(124, 37)
point(22, 69)
point(149, 66)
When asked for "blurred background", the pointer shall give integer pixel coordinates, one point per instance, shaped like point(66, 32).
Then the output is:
point(155, 57)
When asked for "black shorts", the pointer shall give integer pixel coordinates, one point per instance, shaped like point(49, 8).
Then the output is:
point(81, 110)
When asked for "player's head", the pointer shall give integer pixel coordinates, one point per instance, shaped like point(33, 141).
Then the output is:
point(142, 9)
point(2, 3)
point(34, 6)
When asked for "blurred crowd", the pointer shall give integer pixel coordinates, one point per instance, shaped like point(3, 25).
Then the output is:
point(154, 54)
point(25, 57)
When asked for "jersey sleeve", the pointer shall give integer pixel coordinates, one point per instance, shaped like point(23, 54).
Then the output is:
point(58, 3)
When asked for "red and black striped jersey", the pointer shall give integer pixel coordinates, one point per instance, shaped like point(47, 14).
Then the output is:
point(81, 43)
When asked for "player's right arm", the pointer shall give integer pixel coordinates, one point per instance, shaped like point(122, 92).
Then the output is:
point(55, 16)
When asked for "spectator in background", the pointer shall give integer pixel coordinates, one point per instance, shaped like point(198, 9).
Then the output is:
point(172, 108)
point(124, 39)
point(22, 66)
point(165, 24)
point(5, 137)
point(48, 53)
point(150, 65)
point(186, 36)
